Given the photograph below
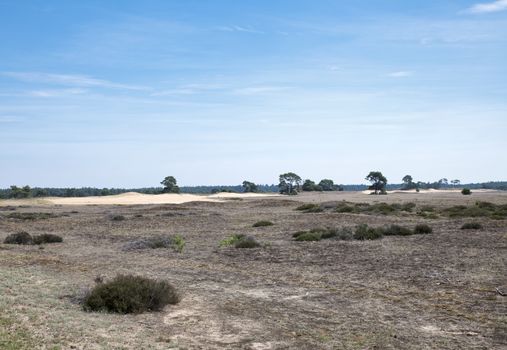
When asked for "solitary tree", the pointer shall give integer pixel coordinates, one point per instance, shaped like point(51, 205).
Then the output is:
point(249, 187)
point(170, 185)
point(455, 182)
point(327, 185)
point(408, 182)
point(378, 182)
point(289, 183)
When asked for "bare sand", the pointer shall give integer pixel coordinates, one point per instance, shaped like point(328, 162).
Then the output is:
point(134, 198)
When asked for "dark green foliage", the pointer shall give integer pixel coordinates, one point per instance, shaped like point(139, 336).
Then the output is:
point(328, 185)
point(247, 242)
point(396, 230)
point(231, 240)
point(289, 183)
point(345, 208)
point(170, 185)
point(309, 236)
point(295, 234)
point(117, 217)
point(408, 207)
point(263, 223)
point(19, 238)
point(47, 238)
point(31, 216)
point(422, 229)
point(310, 208)
point(364, 232)
point(378, 182)
point(466, 191)
point(309, 185)
point(130, 294)
point(471, 226)
point(249, 187)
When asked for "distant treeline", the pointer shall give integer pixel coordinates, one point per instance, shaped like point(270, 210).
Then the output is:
point(29, 192)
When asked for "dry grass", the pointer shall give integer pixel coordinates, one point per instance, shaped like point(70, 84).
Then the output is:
point(400, 292)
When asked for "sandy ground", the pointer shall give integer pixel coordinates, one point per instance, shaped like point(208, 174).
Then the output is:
point(435, 291)
point(133, 198)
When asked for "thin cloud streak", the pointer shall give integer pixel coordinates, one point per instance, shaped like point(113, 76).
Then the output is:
point(495, 6)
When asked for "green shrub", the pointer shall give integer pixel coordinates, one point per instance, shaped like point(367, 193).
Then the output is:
point(466, 191)
point(471, 226)
point(47, 238)
point(19, 238)
point(427, 208)
point(345, 208)
point(175, 242)
point(408, 207)
point(263, 223)
point(310, 208)
point(309, 236)
point(364, 232)
point(130, 294)
point(247, 242)
point(231, 240)
point(422, 229)
point(117, 217)
point(396, 230)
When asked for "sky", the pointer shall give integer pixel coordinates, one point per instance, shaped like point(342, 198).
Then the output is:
point(123, 93)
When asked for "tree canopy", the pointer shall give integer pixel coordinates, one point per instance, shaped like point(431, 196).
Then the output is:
point(249, 187)
point(289, 183)
point(378, 182)
point(170, 185)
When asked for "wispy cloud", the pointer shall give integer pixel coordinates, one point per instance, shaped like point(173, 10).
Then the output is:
point(495, 6)
point(69, 80)
point(401, 74)
point(257, 90)
point(57, 92)
point(235, 28)
point(189, 89)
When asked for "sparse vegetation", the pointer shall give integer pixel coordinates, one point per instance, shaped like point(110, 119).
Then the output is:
point(480, 209)
point(471, 226)
point(310, 208)
point(30, 216)
point(47, 238)
point(176, 242)
point(247, 242)
point(422, 229)
point(396, 230)
point(364, 232)
point(308, 236)
point(130, 294)
point(117, 217)
point(263, 223)
point(19, 238)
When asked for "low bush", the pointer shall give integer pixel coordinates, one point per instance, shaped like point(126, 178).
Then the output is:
point(31, 216)
point(408, 207)
point(175, 242)
point(309, 236)
point(117, 217)
point(364, 232)
point(466, 192)
point(263, 223)
point(471, 226)
point(396, 230)
point(19, 238)
point(310, 208)
point(345, 208)
point(231, 240)
point(130, 294)
point(247, 242)
point(422, 229)
point(47, 238)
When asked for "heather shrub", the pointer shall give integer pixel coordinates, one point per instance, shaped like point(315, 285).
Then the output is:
point(364, 232)
point(130, 294)
point(175, 242)
point(47, 238)
point(422, 229)
point(310, 208)
point(471, 226)
point(263, 223)
point(231, 240)
point(396, 230)
point(247, 242)
point(117, 217)
point(31, 216)
point(309, 236)
point(19, 238)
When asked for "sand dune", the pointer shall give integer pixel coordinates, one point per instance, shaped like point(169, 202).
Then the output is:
point(140, 198)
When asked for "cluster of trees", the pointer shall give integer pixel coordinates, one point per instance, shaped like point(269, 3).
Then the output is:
point(290, 184)
point(409, 184)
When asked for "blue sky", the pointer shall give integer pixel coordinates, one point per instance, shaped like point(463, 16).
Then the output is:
point(123, 93)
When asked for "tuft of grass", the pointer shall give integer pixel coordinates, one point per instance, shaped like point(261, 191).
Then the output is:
point(117, 217)
point(263, 223)
point(247, 242)
point(310, 208)
point(471, 226)
point(127, 294)
point(47, 238)
point(231, 240)
point(422, 229)
point(31, 216)
point(396, 230)
point(364, 232)
point(175, 242)
point(309, 237)
point(19, 238)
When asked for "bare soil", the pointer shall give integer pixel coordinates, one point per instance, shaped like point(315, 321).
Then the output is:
point(435, 291)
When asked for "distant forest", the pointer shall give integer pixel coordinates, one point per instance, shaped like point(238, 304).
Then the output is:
point(29, 192)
